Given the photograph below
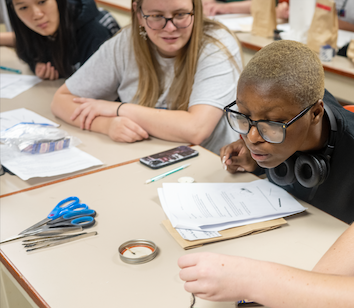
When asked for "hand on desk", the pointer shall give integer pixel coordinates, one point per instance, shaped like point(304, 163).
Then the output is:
point(88, 109)
point(236, 157)
point(46, 71)
point(120, 129)
point(212, 276)
point(125, 130)
point(219, 277)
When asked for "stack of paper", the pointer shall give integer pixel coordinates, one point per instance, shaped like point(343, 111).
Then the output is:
point(200, 210)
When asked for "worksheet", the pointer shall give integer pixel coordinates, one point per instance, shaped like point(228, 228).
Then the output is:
point(13, 117)
point(13, 85)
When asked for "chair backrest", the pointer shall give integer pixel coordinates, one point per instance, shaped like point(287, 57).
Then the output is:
point(349, 107)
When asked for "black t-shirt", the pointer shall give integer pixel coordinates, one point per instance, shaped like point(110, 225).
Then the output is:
point(336, 195)
point(92, 28)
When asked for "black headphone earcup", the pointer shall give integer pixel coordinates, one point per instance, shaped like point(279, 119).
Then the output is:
point(284, 173)
point(311, 170)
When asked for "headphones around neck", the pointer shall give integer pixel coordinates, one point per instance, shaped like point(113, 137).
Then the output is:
point(310, 170)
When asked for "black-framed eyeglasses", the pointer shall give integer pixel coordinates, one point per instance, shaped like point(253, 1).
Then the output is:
point(270, 131)
point(158, 21)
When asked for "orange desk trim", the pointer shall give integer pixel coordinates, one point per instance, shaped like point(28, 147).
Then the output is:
point(69, 178)
point(23, 281)
point(115, 6)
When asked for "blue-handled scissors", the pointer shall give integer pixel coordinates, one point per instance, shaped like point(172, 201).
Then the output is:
point(72, 221)
point(63, 207)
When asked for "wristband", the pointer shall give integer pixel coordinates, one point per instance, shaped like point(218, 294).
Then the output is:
point(118, 108)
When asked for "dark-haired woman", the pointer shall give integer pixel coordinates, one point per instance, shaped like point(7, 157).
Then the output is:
point(56, 37)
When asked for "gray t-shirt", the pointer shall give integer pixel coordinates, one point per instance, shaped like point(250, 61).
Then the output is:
point(112, 72)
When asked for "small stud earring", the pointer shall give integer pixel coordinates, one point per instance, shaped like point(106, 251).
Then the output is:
point(142, 32)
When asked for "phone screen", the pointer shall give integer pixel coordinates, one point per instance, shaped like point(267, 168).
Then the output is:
point(169, 157)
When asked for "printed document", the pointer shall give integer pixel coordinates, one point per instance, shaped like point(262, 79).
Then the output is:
point(13, 85)
point(13, 117)
point(220, 206)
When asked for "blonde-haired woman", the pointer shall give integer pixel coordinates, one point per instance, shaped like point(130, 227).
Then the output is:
point(175, 69)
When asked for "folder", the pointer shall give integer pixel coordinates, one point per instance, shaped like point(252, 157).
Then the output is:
point(254, 228)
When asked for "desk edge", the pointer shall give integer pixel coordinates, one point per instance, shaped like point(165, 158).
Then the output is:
point(122, 8)
point(68, 178)
point(32, 293)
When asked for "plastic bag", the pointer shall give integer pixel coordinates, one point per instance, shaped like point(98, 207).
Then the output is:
point(37, 138)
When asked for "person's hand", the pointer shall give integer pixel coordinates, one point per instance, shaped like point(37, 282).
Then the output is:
point(213, 8)
point(214, 277)
point(236, 157)
point(123, 129)
point(282, 10)
point(46, 71)
point(90, 108)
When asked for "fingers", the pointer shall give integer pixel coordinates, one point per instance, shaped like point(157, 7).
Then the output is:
point(134, 133)
point(214, 10)
point(229, 156)
point(188, 274)
point(46, 71)
point(206, 9)
point(188, 260)
point(125, 130)
point(235, 157)
point(40, 70)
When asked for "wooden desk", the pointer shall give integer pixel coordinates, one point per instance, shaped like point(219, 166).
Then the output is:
point(88, 273)
point(38, 99)
point(339, 73)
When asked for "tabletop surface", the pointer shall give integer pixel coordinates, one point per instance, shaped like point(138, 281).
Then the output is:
point(38, 99)
point(89, 272)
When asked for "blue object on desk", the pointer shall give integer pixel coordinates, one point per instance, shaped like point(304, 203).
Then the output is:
point(59, 210)
point(10, 69)
point(83, 221)
point(73, 215)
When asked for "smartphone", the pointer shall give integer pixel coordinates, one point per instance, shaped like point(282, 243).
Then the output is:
point(169, 157)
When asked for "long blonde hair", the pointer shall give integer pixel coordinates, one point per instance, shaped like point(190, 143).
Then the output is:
point(151, 82)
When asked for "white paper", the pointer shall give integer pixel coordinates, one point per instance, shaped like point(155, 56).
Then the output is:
point(344, 37)
point(219, 206)
point(13, 117)
point(12, 85)
point(193, 235)
point(235, 22)
point(27, 166)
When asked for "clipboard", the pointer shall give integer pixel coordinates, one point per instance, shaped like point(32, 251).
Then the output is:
point(255, 228)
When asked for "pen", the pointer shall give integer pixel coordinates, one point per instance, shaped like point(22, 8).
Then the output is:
point(10, 69)
point(154, 179)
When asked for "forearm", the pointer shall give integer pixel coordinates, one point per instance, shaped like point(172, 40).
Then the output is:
point(339, 259)
point(276, 285)
point(63, 107)
point(191, 126)
point(243, 7)
point(7, 39)
point(344, 25)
